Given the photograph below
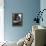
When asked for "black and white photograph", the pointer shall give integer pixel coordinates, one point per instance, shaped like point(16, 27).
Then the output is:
point(17, 19)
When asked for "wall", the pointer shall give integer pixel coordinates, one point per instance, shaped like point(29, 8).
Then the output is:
point(1, 20)
point(28, 8)
point(43, 6)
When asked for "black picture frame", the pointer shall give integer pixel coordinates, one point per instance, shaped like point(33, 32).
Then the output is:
point(17, 19)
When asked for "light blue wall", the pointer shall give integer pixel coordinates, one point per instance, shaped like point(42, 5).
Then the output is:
point(43, 6)
point(28, 8)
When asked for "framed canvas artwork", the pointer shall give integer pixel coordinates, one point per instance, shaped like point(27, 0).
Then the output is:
point(17, 19)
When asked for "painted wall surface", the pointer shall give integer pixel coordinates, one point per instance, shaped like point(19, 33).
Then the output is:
point(28, 8)
point(43, 6)
point(1, 20)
